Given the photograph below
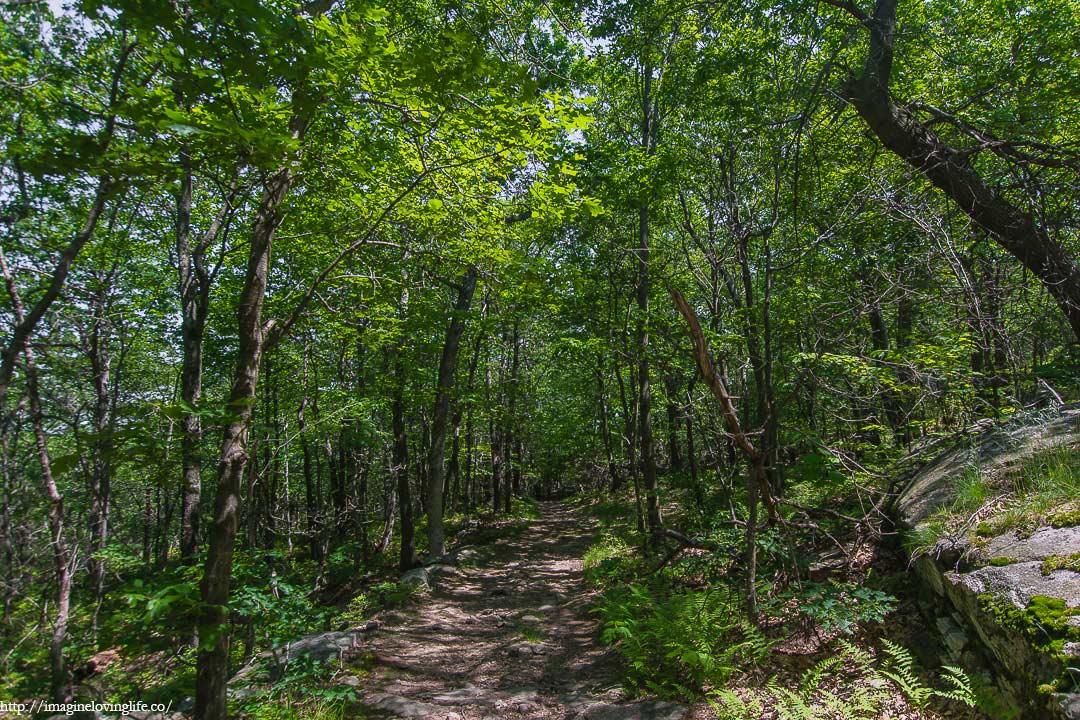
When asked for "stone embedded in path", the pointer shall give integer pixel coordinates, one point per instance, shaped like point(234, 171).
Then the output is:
point(520, 699)
point(653, 710)
point(403, 707)
point(527, 648)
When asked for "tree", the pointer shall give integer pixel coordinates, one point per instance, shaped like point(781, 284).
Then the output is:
point(1024, 233)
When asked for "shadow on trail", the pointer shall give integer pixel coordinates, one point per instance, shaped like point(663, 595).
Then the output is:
point(508, 636)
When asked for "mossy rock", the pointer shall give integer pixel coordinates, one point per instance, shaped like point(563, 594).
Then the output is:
point(1065, 518)
point(1061, 562)
point(1045, 621)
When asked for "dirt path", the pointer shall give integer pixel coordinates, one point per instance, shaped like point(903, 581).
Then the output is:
point(505, 633)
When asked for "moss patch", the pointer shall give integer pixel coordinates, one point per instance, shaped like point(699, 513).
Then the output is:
point(1066, 518)
point(1002, 561)
point(1061, 562)
point(1045, 621)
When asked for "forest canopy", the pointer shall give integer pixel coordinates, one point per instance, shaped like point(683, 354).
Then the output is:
point(295, 287)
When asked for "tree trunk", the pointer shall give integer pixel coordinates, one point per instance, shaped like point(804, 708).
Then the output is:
point(447, 365)
point(101, 471)
point(213, 655)
point(671, 388)
point(645, 434)
point(61, 680)
point(949, 169)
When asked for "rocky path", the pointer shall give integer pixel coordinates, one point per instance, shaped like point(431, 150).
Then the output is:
point(505, 633)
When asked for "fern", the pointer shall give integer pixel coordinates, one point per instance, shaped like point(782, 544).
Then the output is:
point(901, 670)
point(961, 691)
point(862, 695)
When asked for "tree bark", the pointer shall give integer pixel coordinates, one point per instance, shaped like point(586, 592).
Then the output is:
point(213, 655)
point(61, 679)
point(645, 434)
point(101, 471)
point(194, 287)
point(447, 366)
point(949, 168)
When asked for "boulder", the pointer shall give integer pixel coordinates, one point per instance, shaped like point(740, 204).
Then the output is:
point(977, 591)
point(322, 647)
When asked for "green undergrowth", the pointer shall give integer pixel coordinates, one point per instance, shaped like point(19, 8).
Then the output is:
point(677, 643)
point(1041, 490)
point(682, 631)
point(849, 685)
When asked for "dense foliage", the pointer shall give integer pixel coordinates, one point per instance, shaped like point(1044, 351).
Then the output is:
point(293, 289)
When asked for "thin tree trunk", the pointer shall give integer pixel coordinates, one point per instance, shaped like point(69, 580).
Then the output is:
point(671, 387)
point(213, 655)
point(645, 433)
point(445, 385)
point(61, 680)
point(100, 367)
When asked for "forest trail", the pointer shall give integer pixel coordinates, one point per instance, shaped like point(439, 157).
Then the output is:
point(505, 634)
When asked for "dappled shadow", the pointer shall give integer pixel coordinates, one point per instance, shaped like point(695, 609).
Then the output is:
point(509, 636)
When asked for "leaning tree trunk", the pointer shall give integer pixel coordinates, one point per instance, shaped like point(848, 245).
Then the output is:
point(757, 478)
point(949, 168)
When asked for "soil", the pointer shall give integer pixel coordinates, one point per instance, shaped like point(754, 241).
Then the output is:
point(505, 633)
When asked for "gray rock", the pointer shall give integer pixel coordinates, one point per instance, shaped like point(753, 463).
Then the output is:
point(1019, 582)
point(653, 710)
point(468, 695)
point(527, 648)
point(530, 620)
point(1070, 705)
point(934, 486)
point(320, 646)
point(1002, 655)
point(464, 555)
point(403, 707)
point(1043, 543)
point(441, 571)
point(952, 635)
point(418, 576)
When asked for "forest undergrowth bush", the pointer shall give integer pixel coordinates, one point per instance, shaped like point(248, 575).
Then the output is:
point(848, 685)
point(676, 643)
point(681, 627)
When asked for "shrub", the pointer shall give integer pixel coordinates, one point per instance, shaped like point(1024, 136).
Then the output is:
point(678, 643)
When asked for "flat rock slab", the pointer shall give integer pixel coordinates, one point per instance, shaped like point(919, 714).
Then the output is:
point(499, 699)
point(403, 707)
point(1043, 543)
point(652, 710)
point(1020, 582)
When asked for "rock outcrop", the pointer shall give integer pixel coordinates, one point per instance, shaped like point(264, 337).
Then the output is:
point(1006, 603)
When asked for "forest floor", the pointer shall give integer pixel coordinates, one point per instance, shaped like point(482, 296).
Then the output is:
point(505, 634)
